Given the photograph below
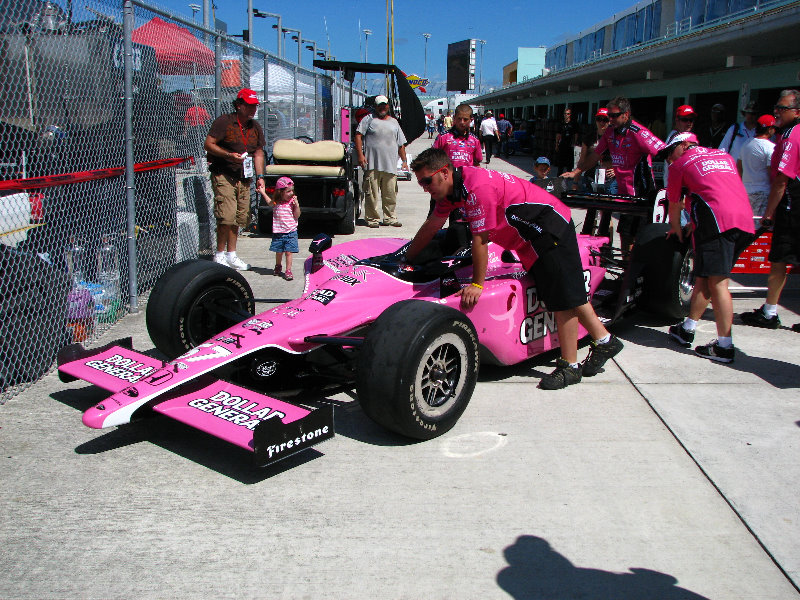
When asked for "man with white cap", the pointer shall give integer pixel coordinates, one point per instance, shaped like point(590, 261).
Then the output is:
point(235, 146)
point(722, 226)
point(379, 140)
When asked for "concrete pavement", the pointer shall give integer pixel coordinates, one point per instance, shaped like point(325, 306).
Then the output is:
point(666, 476)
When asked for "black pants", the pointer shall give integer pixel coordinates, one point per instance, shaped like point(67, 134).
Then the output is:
point(488, 142)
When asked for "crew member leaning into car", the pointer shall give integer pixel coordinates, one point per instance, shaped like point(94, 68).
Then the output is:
point(722, 226)
point(517, 215)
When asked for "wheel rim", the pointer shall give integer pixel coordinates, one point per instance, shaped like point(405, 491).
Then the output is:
point(686, 279)
point(441, 376)
point(205, 317)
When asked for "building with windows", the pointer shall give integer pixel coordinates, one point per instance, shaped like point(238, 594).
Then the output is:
point(664, 53)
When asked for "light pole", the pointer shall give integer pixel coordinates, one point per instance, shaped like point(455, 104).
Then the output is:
point(195, 8)
point(263, 15)
point(427, 36)
point(480, 77)
point(298, 38)
point(312, 45)
point(367, 33)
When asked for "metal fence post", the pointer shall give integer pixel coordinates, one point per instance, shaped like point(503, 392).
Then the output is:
point(130, 194)
point(264, 121)
point(217, 75)
point(294, 103)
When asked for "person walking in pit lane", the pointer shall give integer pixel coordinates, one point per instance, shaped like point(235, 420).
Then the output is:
point(519, 216)
point(722, 226)
point(489, 134)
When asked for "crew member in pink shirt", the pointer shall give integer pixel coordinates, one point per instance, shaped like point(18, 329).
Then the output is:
point(464, 150)
point(517, 215)
point(631, 146)
point(722, 226)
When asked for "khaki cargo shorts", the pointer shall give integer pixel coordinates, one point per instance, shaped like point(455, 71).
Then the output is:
point(231, 200)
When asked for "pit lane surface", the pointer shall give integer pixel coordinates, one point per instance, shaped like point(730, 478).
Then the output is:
point(666, 476)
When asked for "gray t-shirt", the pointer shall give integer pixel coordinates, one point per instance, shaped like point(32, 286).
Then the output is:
point(382, 139)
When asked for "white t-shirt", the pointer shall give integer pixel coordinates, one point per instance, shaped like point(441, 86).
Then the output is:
point(756, 156)
point(737, 136)
point(489, 126)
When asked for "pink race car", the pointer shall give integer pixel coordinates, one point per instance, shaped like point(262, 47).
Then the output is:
point(365, 317)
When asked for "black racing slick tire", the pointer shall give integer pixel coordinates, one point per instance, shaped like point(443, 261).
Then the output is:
point(347, 225)
point(417, 368)
point(668, 271)
point(193, 301)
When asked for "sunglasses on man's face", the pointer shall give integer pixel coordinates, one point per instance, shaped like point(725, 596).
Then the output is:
point(601, 119)
point(615, 115)
point(782, 108)
point(426, 181)
point(686, 119)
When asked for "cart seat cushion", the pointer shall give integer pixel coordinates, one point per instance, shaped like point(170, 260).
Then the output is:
point(296, 151)
point(311, 170)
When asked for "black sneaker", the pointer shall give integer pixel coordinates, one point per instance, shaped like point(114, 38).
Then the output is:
point(599, 354)
point(681, 335)
point(563, 376)
point(796, 327)
point(757, 318)
point(713, 351)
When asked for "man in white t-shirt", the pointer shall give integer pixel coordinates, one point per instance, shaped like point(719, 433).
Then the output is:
point(754, 164)
point(739, 134)
point(489, 134)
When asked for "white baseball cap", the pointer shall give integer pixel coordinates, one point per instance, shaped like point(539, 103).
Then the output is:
point(381, 100)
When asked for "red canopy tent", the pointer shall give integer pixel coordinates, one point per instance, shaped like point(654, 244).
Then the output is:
point(178, 52)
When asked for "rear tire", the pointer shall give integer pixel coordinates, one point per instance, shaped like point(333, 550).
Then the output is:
point(667, 271)
point(193, 301)
point(347, 224)
point(418, 368)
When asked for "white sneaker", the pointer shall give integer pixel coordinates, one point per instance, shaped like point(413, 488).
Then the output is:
point(238, 264)
point(220, 259)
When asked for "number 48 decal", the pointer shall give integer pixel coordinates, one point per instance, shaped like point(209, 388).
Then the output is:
point(215, 352)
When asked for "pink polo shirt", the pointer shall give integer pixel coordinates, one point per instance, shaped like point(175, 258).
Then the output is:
point(627, 148)
point(786, 156)
point(464, 151)
point(712, 176)
point(487, 194)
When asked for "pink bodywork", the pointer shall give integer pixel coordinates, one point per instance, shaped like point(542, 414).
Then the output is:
point(338, 299)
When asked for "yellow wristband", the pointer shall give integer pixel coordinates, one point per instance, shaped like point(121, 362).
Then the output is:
point(477, 285)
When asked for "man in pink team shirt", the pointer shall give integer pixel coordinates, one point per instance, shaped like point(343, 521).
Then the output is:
point(631, 146)
point(464, 150)
point(519, 216)
point(722, 226)
point(783, 209)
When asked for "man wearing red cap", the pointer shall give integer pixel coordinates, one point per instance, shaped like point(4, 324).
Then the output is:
point(235, 146)
point(505, 129)
point(754, 163)
point(722, 226)
point(684, 121)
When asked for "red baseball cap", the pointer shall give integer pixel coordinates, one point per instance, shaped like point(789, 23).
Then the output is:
point(502, 116)
point(601, 112)
point(684, 111)
point(766, 121)
point(248, 95)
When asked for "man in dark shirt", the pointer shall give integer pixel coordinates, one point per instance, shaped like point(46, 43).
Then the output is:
point(566, 140)
point(505, 129)
point(235, 146)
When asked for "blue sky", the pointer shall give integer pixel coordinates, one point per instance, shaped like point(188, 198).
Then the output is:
point(517, 24)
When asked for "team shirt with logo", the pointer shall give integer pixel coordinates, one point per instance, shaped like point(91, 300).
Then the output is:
point(627, 146)
point(711, 178)
point(464, 151)
point(486, 195)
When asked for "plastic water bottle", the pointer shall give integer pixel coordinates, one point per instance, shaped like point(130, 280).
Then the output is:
point(108, 278)
point(76, 262)
point(80, 308)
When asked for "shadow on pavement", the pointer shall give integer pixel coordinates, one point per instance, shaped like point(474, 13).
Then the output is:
point(777, 373)
point(537, 572)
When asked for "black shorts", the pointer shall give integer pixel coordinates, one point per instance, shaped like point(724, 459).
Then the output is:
point(715, 256)
point(786, 237)
point(559, 274)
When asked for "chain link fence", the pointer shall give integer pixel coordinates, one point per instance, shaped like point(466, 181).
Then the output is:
point(103, 178)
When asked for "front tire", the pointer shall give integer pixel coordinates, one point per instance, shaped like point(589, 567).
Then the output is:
point(418, 368)
point(193, 301)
